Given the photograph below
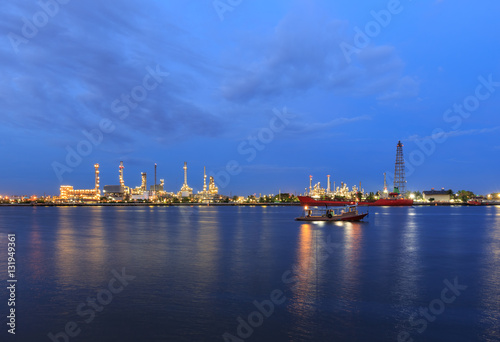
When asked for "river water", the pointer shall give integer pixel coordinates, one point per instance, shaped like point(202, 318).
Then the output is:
point(251, 274)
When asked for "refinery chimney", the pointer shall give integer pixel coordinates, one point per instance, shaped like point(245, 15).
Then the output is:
point(122, 183)
point(310, 183)
point(328, 185)
point(97, 190)
point(186, 191)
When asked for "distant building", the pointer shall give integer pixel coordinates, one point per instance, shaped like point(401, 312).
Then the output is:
point(143, 196)
point(68, 194)
point(158, 187)
point(114, 192)
point(438, 195)
point(210, 193)
point(212, 188)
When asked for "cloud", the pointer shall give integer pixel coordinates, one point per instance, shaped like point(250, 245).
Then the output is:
point(65, 79)
point(455, 133)
point(404, 87)
point(303, 54)
point(304, 127)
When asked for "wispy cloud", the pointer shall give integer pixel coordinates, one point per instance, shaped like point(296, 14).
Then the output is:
point(302, 54)
point(303, 127)
point(66, 78)
point(455, 133)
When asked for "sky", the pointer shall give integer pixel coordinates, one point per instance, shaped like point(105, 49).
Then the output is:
point(262, 93)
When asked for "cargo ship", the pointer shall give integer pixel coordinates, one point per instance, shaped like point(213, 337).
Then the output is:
point(391, 199)
point(391, 202)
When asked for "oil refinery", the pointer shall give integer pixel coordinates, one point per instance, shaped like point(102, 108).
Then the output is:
point(68, 194)
point(122, 192)
point(315, 194)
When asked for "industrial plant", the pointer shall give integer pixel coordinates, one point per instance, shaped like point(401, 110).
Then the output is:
point(122, 192)
point(67, 193)
point(157, 193)
point(399, 190)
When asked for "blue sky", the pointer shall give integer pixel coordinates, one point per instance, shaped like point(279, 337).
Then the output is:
point(218, 72)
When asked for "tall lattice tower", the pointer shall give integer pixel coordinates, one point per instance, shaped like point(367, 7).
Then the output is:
point(399, 172)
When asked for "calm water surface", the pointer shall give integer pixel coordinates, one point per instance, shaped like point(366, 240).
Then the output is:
point(202, 272)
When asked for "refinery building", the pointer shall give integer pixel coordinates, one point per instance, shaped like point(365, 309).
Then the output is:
point(122, 192)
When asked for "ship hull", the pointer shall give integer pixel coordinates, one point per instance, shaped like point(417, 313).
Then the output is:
point(306, 200)
point(396, 202)
point(352, 218)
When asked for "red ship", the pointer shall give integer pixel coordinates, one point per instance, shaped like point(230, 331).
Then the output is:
point(392, 202)
point(394, 198)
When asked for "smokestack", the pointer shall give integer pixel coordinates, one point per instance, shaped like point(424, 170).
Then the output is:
point(328, 185)
point(97, 190)
point(122, 182)
point(185, 173)
point(155, 180)
point(310, 183)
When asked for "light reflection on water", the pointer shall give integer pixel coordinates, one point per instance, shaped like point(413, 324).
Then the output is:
point(67, 250)
point(200, 268)
point(407, 287)
point(306, 271)
point(490, 276)
point(328, 277)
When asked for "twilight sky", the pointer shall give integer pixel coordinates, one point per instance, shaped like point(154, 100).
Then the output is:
point(263, 93)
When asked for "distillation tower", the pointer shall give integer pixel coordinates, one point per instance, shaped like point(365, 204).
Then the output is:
point(186, 191)
point(144, 183)
point(97, 188)
point(122, 182)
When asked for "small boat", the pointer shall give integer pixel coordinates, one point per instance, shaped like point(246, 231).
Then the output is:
point(345, 213)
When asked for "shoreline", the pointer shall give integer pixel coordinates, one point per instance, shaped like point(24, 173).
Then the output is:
point(448, 204)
